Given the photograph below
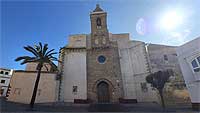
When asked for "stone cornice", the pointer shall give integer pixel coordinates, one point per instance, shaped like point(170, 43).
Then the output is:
point(24, 71)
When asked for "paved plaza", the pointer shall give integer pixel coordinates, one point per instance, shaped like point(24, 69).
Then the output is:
point(67, 107)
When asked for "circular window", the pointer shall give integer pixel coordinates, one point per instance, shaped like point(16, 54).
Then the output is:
point(101, 59)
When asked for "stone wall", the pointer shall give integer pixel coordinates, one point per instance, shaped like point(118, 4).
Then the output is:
point(33, 66)
point(77, 41)
point(108, 72)
point(22, 84)
point(162, 57)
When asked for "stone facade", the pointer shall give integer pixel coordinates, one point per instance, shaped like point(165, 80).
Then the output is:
point(98, 67)
point(108, 71)
point(91, 71)
point(23, 81)
point(124, 69)
point(110, 63)
point(161, 58)
point(32, 67)
point(22, 84)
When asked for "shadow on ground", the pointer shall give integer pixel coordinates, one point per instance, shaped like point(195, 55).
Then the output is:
point(66, 107)
point(107, 108)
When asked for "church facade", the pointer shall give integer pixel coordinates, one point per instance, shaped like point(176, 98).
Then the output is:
point(104, 67)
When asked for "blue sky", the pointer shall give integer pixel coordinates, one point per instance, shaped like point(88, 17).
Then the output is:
point(27, 23)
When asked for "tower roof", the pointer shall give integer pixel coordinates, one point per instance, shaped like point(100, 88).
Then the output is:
point(98, 9)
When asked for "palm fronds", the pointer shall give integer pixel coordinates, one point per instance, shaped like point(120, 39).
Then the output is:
point(41, 55)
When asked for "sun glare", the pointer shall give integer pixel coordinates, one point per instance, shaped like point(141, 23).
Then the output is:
point(171, 20)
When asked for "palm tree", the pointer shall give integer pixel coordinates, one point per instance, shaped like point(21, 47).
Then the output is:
point(41, 57)
point(158, 81)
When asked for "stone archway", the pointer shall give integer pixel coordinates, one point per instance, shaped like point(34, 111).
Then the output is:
point(103, 93)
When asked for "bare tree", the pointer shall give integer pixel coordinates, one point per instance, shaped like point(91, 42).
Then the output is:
point(158, 80)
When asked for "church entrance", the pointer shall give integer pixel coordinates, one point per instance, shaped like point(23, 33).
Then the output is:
point(103, 92)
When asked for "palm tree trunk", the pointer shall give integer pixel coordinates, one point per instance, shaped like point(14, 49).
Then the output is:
point(35, 87)
point(59, 90)
point(162, 99)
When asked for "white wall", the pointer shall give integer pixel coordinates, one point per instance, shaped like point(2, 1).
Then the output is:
point(186, 53)
point(127, 75)
point(4, 90)
point(7, 78)
point(75, 75)
point(125, 64)
point(7, 81)
point(134, 69)
point(140, 68)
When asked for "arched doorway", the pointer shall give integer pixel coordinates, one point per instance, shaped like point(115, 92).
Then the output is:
point(103, 92)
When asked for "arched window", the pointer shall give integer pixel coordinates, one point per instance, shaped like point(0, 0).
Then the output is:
point(165, 58)
point(98, 21)
point(1, 72)
point(198, 59)
point(196, 64)
point(6, 73)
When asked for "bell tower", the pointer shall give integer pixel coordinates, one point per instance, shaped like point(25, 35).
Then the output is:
point(104, 83)
point(99, 31)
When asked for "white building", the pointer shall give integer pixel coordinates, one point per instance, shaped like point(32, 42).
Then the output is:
point(189, 59)
point(5, 76)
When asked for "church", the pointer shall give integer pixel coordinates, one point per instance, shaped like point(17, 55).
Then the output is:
point(103, 67)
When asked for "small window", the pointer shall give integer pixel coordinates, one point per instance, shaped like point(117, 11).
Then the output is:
point(1, 72)
point(144, 87)
point(3, 81)
point(198, 58)
point(165, 58)
point(98, 21)
point(6, 73)
point(194, 64)
point(75, 89)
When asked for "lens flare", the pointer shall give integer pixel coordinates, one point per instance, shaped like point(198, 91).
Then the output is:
point(171, 20)
point(141, 26)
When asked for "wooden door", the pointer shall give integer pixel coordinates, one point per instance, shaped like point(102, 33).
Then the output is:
point(103, 92)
